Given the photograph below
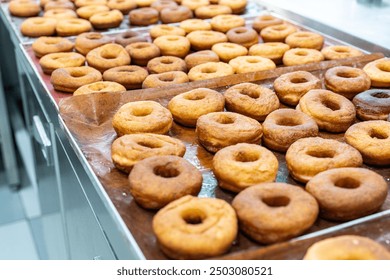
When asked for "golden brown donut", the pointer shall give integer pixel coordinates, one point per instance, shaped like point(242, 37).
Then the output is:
point(332, 112)
point(273, 51)
point(159, 5)
point(277, 33)
point(228, 51)
point(60, 13)
point(372, 139)
point(195, 228)
point(204, 40)
point(253, 163)
point(283, 127)
point(105, 20)
point(218, 130)
point(129, 37)
point(211, 11)
point(143, 16)
point(223, 23)
point(129, 149)
point(108, 56)
point(59, 4)
point(247, 64)
point(345, 194)
point(200, 57)
point(347, 81)
point(86, 42)
point(38, 26)
point(164, 64)
point(45, 45)
point(71, 78)
point(72, 27)
point(82, 3)
point(188, 107)
point(99, 87)
point(237, 6)
point(379, 72)
point(53, 61)
point(144, 3)
point(372, 104)
point(175, 14)
point(24, 8)
point(290, 87)
point(299, 56)
point(130, 76)
point(165, 79)
point(339, 52)
point(307, 157)
point(173, 45)
point(194, 4)
point(195, 24)
point(164, 29)
point(275, 212)
point(265, 20)
point(347, 247)
point(251, 100)
point(87, 11)
point(210, 70)
point(142, 52)
point(305, 39)
point(125, 6)
point(244, 36)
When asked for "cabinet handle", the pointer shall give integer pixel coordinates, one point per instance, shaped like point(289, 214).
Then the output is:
point(42, 138)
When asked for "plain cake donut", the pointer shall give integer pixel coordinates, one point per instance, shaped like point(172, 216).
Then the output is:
point(265, 20)
point(211, 11)
point(164, 29)
point(87, 11)
point(379, 72)
point(142, 52)
point(210, 70)
point(130, 76)
point(340, 52)
point(237, 6)
point(372, 104)
point(164, 64)
point(300, 56)
point(124, 6)
point(273, 51)
point(60, 13)
point(165, 79)
point(72, 26)
point(277, 33)
point(45, 45)
point(195, 24)
point(205, 39)
point(53, 61)
point(223, 23)
point(38, 26)
point(143, 16)
point(200, 57)
point(108, 56)
point(250, 63)
point(159, 5)
point(86, 42)
point(173, 45)
point(175, 14)
point(305, 39)
point(244, 36)
point(99, 87)
point(228, 51)
point(24, 8)
point(129, 37)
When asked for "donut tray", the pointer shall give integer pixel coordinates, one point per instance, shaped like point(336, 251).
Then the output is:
point(89, 117)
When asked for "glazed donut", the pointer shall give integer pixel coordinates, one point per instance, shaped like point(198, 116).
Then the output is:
point(339, 52)
point(165, 79)
point(142, 52)
point(285, 126)
point(108, 56)
point(105, 20)
point(211, 11)
point(347, 247)
point(307, 157)
point(372, 139)
point(53, 61)
point(71, 78)
point(173, 45)
point(305, 39)
point(332, 112)
point(254, 163)
point(218, 130)
point(379, 72)
point(188, 107)
point(299, 56)
point(195, 24)
point(204, 40)
point(60, 14)
point(237, 6)
point(277, 33)
point(129, 149)
point(194, 4)
point(144, 3)
point(130, 76)
point(275, 212)
point(251, 100)
point(143, 16)
point(129, 37)
point(244, 36)
point(176, 14)
point(247, 64)
point(210, 70)
point(195, 228)
point(59, 4)
point(159, 5)
point(24, 8)
point(124, 6)
point(347, 81)
point(345, 194)
point(266, 20)
point(228, 51)
point(38, 26)
point(86, 42)
point(82, 3)
point(223, 23)
point(45, 45)
point(100, 87)
point(290, 87)
point(164, 64)
point(273, 51)
point(163, 29)
point(72, 27)
point(200, 57)
point(372, 104)
point(142, 117)
point(87, 11)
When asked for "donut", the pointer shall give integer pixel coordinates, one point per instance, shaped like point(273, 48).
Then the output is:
point(223, 23)
point(71, 78)
point(345, 194)
point(142, 117)
point(105, 20)
point(247, 64)
point(86, 42)
point(210, 11)
point(143, 16)
point(204, 40)
point(372, 104)
point(24, 8)
point(195, 228)
point(283, 127)
point(144, 3)
point(72, 27)
point(254, 163)
point(130, 76)
point(129, 149)
point(87, 11)
point(59, 4)
point(347, 247)
point(265, 20)
point(305, 39)
point(82, 3)
point(218, 130)
point(108, 56)
point(347, 81)
point(277, 33)
point(173, 45)
point(274, 212)
point(273, 51)
point(142, 52)
point(164, 64)
point(379, 72)
point(188, 107)
point(175, 14)
point(53, 61)
point(237, 6)
point(159, 5)
point(244, 36)
point(38, 26)
point(307, 157)
point(372, 139)
point(45, 45)
point(165, 79)
point(332, 112)
point(251, 100)
point(164, 29)
point(300, 56)
point(200, 57)
point(340, 52)
point(194, 4)
point(228, 51)
point(129, 37)
point(60, 13)
point(290, 87)
point(124, 6)
point(99, 87)
point(210, 70)
point(195, 24)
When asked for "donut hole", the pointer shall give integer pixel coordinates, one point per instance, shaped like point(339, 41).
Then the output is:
point(330, 104)
point(97, 87)
point(385, 67)
point(288, 122)
point(150, 144)
point(209, 70)
point(377, 134)
point(299, 80)
point(127, 70)
point(278, 28)
point(253, 60)
point(128, 35)
point(347, 75)
point(142, 112)
point(166, 171)
point(195, 96)
point(193, 216)
point(94, 36)
point(166, 78)
point(381, 95)
point(321, 153)
point(224, 119)
point(347, 183)
point(301, 53)
point(109, 54)
point(245, 156)
point(302, 35)
point(341, 49)
point(251, 93)
point(166, 61)
point(74, 22)
point(77, 74)
point(240, 31)
point(276, 201)
point(266, 18)
point(172, 39)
